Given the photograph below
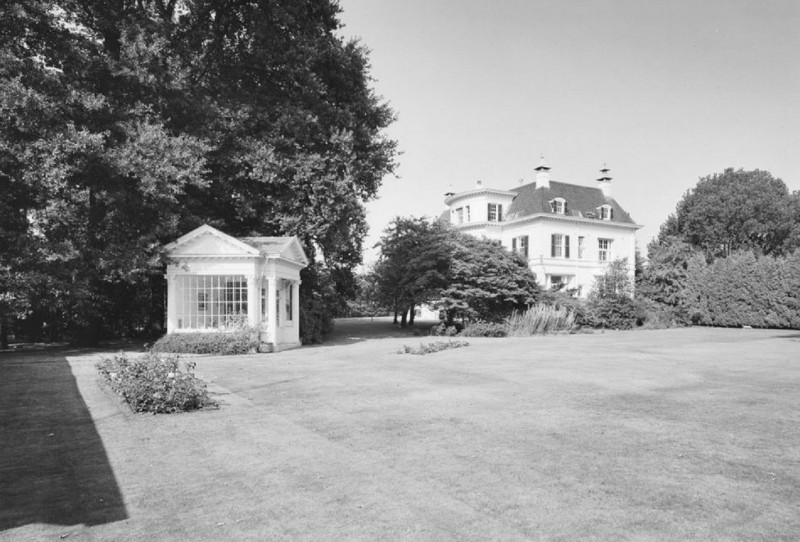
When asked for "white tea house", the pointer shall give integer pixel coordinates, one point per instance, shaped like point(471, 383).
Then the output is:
point(567, 232)
point(216, 282)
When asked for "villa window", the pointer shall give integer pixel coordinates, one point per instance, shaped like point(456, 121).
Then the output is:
point(606, 212)
point(466, 213)
point(211, 301)
point(519, 245)
point(559, 206)
point(559, 246)
point(495, 212)
point(603, 249)
point(460, 215)
point(558, 282)
point(581, 247)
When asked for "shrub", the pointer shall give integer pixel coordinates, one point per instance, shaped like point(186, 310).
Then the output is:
point(745, 290)
point(430, 348)
point(614, 312)
point(155, 383)
point(443, 330)
point(655, 315)
point(242, 341)
point(540, 319)
point(484, 329)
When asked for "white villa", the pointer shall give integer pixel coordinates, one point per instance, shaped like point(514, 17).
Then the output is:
point(569, 233)
point(217, 282)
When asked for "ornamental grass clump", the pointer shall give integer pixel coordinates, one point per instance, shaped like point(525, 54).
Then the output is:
point(540, 320)
point(155, 383)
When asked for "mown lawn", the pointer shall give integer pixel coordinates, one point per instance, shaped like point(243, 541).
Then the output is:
point(647, 435)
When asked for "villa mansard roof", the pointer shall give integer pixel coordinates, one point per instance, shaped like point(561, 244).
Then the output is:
point(582, 201)
point(530, 200)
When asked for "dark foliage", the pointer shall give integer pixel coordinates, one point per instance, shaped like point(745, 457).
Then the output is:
point(610, 304)
point(484, 329)
point(745, 290)
point(221, 343)
point(736, 210)
point(485, 281)
point(124, 125)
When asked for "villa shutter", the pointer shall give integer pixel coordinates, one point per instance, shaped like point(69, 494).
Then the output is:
point(525, 244)
point(611, 213)
point(553, 246)
point(566, 246)
point(514, 245)
point(499, 212)
point(566, 208)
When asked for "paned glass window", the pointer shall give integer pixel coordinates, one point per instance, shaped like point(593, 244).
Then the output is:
point(495, 212)
point(559, 246)
point(603, 249)
point(519, 245)
point(211, 301)
point(606, 212)
point(558, 206)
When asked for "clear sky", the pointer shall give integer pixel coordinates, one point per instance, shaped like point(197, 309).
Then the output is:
point(663, 91)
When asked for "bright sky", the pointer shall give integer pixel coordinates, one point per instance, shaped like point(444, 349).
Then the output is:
point(664, 92)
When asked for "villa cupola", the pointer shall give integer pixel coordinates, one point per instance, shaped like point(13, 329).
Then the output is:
point(542, 174)
point(604, 181)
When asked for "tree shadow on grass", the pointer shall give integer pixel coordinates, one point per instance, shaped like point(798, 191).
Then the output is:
point(354, 330)
point(53, 465)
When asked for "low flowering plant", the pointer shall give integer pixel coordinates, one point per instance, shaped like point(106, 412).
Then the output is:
point(156, 383)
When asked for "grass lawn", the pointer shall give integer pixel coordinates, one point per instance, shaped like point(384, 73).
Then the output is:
point(690, 434)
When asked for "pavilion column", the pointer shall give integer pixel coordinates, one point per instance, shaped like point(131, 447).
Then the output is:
point(272, 313)
point(172, 303)
point(253, 299)
point(296, 308)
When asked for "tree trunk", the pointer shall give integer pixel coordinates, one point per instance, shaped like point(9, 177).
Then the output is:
point(3, 333)
point(404, 319)
point(411, 316)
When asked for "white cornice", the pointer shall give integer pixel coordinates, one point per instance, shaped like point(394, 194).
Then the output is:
point(549, 216)
point(477, 192)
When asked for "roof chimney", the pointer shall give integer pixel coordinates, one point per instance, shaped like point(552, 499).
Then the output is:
point(542, 174)
point(604, 181)
point(478, 185)
point(449, 191)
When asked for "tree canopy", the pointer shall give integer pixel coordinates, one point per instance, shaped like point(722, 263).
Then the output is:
point(465, 277)
point(736, 210)
point(124, 124)
point(485, 281)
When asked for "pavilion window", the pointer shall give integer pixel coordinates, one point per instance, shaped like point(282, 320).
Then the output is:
point(211, 301)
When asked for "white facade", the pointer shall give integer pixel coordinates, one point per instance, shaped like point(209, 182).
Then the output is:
point(569, 233)
point(216, 282)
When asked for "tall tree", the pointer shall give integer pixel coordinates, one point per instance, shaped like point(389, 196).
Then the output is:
point(734, 210)
point(415, 258)
point(125, 123)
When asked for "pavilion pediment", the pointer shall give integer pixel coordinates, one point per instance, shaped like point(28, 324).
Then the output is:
point(210, 242)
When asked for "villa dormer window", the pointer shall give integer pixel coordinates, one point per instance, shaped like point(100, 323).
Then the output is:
point(558, 206)
point(605, 212)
